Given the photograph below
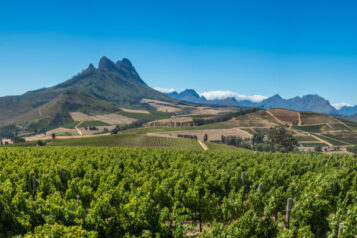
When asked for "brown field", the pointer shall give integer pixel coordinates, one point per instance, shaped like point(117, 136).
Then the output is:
point(134, 111)
point(211, 111)
point(285, 116)
point(257, 119)
point(161, 106)
point(111, 119)
point(186, 109)
point(173, 119)
point(149, 101)
point(213, 134)
point(310, 118)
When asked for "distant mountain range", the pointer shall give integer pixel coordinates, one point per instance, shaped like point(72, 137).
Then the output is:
point(94, 90)
point(313, 103)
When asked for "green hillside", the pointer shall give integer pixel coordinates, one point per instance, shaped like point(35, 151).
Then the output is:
point(94, 90)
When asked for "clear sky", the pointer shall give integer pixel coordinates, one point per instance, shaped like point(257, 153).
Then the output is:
point(265, 47)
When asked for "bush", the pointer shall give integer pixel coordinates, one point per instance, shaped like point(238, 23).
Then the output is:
point(281, 140)
point(18, 139)
point(257, 138)
point(187, 136)
point(318, 149)
point(352, 149)
point(41, 143)
point(261, 147)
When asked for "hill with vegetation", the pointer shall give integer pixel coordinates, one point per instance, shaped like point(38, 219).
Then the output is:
point(93, 91)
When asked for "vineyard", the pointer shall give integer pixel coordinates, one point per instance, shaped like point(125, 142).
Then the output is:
point(122, 192)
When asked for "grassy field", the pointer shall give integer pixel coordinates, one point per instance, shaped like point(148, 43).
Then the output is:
point(350, 138)
point(221, 147)
point(93, 123)
point(164, 129)
point(70, 125)
point(66, 133)
point(339, 126)
point(154, 115)
point(305, 138)
point(312, 144)
point(250, 131)
point(313, 128)
point(331, 140)
point(351, 124)
point(131, 141)
point(263, 131)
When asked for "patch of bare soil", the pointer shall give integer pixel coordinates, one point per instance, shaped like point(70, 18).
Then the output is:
point(285, 117)
point(210, 110)
point(258, 120)
point(134, 111)
point(111, 119)
point(161, 106)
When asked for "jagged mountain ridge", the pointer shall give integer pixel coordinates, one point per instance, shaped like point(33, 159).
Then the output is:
point(102, 89)
point(313, 103)
point(348, 110)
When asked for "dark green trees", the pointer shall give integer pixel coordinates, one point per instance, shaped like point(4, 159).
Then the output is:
point(281, 140)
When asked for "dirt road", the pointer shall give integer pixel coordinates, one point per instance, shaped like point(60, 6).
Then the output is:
point(321, 140)
point(76, 127)
point(203, 145)
point(275, 118)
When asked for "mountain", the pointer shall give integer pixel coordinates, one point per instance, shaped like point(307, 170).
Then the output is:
point(313, 103)
point(190, 95)
point(348, 110)
point(94, 90)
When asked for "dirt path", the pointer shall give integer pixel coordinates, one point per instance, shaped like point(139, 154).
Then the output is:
point(275, 118)
point(76, 127)
point(243, 131)
point(321, 140)
point(203, 145)
point(299, 119)
point(39, 111)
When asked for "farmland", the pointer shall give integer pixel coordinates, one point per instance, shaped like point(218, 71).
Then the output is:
point(112, 192)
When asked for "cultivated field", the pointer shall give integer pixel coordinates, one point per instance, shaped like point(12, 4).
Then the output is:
point(111, 119)
point(134, 111)
point(213, 134)
point(285, 116)
point(121, 192)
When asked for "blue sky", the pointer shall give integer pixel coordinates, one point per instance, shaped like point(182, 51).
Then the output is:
point(265, 47)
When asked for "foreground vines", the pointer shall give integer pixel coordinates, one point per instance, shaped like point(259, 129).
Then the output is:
point(111, 192)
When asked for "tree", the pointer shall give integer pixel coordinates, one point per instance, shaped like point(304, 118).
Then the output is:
point(40, 143)
point(318, 148)
point(257, 138)
point(17, 139)
point(205, 138)
point(281, 140)
point(352, 149)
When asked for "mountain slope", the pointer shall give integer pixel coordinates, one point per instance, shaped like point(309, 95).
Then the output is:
point(95, 90)
point(313, 103)
point(348, 111)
